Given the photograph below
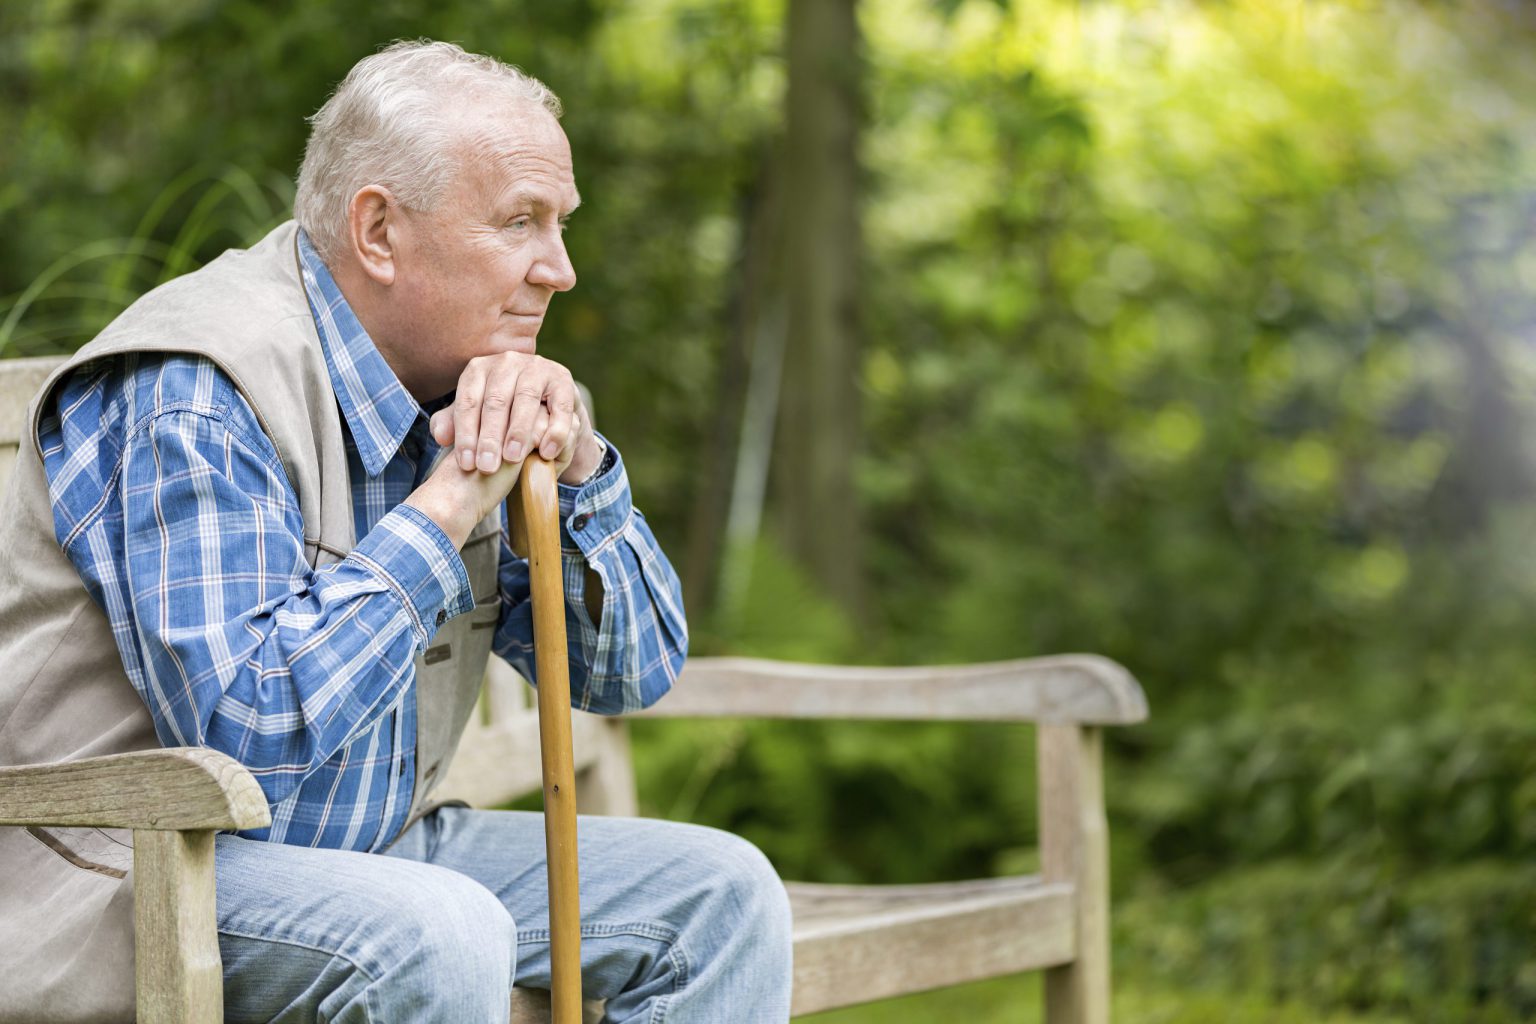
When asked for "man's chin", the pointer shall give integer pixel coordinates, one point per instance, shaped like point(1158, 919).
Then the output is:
point(526, 343)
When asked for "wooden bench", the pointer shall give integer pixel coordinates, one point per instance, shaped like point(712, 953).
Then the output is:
point(853, 944)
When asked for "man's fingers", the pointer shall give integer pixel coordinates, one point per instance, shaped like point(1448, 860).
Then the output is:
point(527, 402)
point(495, 408)
point(507, 407)
point(561, 431)
point(466, 414)
point(578, 429)
point(535, 390)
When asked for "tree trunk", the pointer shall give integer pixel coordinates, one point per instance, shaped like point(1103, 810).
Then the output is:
point(711, 558)
point(816, 501)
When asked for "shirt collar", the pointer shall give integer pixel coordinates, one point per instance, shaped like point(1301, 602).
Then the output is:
point(377, 408)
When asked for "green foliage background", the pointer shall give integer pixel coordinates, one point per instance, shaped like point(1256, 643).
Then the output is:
point(1197, 335)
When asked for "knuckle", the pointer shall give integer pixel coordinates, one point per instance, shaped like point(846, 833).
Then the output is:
point(496, 400)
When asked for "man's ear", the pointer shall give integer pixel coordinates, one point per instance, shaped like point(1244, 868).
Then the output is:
point(372, 230)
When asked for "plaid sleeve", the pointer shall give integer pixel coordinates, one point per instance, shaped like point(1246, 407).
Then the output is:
point(232, 640)
point(632, 657)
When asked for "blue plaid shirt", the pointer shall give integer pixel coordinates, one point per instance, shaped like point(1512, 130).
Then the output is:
point(174, 507)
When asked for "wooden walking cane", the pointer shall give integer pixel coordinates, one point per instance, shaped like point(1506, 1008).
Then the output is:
point(533, 510)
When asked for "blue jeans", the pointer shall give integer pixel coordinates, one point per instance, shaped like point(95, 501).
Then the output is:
point(680, 923)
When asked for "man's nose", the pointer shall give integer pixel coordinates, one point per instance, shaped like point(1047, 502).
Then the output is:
point(553, 268)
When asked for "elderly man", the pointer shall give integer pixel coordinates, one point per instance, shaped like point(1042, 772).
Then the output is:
point(234, 531)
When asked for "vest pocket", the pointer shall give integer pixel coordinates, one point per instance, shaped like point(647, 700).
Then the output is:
point(486, 613)
point(481, 558)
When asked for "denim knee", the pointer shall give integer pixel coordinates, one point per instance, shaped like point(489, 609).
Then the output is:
point(747, 898)
point(447, 952)
point(737, 945)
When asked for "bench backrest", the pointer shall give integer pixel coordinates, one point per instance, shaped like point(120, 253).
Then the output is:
point(498, 759)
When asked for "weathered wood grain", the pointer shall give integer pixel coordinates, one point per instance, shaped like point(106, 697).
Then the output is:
point(531, 1006)
point(858, 943)
point(1074, 850)
point(535, 508)
point(174, 788)
point(1066, 688)
point(177, 974)
point(854, 944)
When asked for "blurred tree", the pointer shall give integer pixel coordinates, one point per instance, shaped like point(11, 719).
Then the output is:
point(818, 506)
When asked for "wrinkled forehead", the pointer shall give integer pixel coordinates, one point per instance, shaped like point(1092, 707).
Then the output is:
point(516, 148)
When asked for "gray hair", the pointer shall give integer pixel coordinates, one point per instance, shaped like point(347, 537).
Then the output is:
point(390, 123)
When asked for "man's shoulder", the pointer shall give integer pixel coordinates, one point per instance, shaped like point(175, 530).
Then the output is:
point(107, 407)
point(111, 398)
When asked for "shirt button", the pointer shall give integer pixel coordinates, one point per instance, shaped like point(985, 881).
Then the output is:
point(442, 616)
point(580, 522)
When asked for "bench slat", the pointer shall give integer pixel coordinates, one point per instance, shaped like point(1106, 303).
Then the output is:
point(858, 943)
point(1082, 688)
point(854, 944)
point(531, 1006)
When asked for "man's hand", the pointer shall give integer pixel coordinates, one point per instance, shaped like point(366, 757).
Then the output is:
point(510, 404)
point(507, 405)
point(456, 500)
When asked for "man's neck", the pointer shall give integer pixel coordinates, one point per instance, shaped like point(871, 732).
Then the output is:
point(370, 304)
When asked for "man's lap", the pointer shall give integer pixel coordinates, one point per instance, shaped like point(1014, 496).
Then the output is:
point(305, 934)
point(651, 892)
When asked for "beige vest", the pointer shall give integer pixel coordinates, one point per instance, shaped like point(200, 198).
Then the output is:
point(66, 907)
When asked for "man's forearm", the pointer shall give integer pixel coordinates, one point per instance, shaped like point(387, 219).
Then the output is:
point(627, 631)
point(248, 650)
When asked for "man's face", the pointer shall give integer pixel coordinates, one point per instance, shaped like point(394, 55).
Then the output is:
point(474, 276)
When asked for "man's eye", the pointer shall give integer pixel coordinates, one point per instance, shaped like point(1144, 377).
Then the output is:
point(519, 223)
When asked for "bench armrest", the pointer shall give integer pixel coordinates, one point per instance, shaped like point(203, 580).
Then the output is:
point(178, 788)
point(1075, 688)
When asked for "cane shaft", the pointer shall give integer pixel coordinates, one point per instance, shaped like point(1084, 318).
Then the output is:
point(535, 519)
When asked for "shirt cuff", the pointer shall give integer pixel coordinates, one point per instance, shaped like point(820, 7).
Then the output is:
point(598, 510)
point(413, 557)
